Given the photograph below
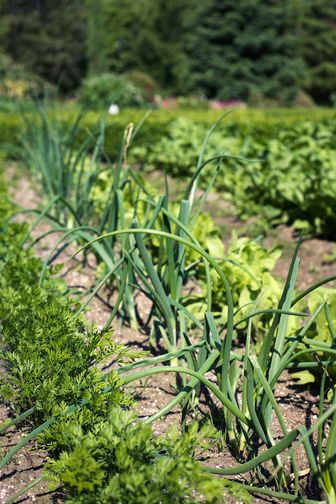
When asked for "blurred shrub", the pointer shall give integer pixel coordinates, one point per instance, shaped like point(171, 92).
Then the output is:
point(145, 84)
point(304, 100)
point(17, 83)
point(192, 102)
point(100, 91)
point(178, 150)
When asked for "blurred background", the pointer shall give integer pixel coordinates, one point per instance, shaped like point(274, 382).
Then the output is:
point(204, 53)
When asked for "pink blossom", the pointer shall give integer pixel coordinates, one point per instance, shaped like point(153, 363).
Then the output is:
point(220, 104)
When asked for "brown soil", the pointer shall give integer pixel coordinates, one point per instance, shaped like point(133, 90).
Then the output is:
point(298, 405)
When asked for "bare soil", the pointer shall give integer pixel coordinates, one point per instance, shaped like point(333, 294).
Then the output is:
point(298, 405)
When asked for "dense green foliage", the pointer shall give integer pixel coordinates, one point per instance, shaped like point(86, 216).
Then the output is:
point(51, 356)
point(248, 50)
point(172, 254)
point(280, 149)
point(242, 49)
point(320, 331)
point(317, 28)
point(246, 263)
point(98, 453)
point(120, 461)
point(261, 125)
point(88, 186)
point(96, 49)
point(296, 182)
point(248, 266)
point(47, 37)
point(17, 83)
point(147, 36)
point(99, 92)
point(288, 178)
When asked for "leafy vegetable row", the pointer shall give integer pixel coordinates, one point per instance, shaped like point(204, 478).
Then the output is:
point(98, 452)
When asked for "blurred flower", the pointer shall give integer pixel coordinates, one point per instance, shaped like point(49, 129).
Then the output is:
point(218, 104)
point(169, 102)
point(113, 109)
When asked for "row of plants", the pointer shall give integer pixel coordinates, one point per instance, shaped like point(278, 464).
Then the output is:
point(88, 195)
point(260, 124)
point(287, 178)
point(285, 171)
point(96, 451)
point(155, 251)
point(102, 198)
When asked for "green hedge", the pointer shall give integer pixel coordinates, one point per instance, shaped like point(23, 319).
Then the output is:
point(261, 124)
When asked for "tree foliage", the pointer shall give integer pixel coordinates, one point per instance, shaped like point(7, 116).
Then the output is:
point(239, 49)
point(223, 49)
point(318, 31)
point(47, 36)
point(147, 35)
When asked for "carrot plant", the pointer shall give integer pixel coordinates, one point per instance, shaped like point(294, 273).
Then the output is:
point(52, 379)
